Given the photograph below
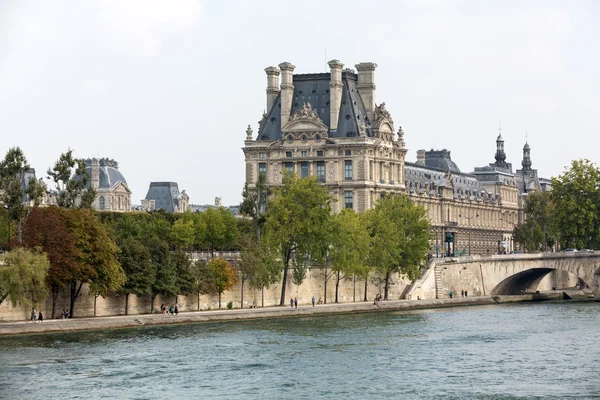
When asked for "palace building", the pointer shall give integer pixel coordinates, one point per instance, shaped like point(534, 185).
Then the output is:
point(328, 125)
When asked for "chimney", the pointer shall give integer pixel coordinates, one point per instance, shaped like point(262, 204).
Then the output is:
point(335, 93)
point(272, 86)
point(287, 91)
point(366, 86)
point(421, 157)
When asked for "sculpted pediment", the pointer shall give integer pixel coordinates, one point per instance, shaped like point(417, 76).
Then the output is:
point(305, 120)
point(120, 187)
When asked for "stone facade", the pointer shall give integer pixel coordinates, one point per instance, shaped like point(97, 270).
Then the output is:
point(328, 125)
point(112, 192)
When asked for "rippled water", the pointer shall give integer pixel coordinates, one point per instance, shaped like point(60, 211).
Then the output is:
point(522, 351)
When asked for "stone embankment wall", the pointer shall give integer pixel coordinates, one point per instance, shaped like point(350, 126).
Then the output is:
point(349, 290)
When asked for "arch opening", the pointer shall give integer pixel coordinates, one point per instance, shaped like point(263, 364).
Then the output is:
point(542, 279)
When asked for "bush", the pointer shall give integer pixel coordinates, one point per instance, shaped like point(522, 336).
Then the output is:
point(230, 305)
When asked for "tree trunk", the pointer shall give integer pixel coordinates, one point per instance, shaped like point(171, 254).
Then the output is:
point(152, 297)
point(337, 286)
point(126, 303)
point(325, 285)
point(19, 231)
point(95, 300)
point(3, 298)
point(354, 288)
point(285, 272)
point(366, 284)
point(75, 289)
point(242, 304)
point(387, 284)
point(219, 300)
point(54, 297)
point(198, 301)
point(263, 298)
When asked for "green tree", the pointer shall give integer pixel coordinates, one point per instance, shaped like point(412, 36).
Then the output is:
point(134, 258)
point(297, 221)
point(18, 188)
point(576, 197)
point(72, 182)
point(23, 276)
point(165, 283)
point(399, 232)
point(530, 235)
point(224, 276)
point(349, 246)
point(221, 229)
point(254, 204)
point(183, 273)
point(540, 208)
point(183, 232)
point(203, 279)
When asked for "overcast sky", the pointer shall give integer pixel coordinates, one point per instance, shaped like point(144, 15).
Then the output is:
point(167, 88)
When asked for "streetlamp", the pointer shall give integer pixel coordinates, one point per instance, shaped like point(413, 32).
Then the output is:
point(469, 224)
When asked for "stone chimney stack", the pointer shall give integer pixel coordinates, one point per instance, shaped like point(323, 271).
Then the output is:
point(421, 157)
point(272, 86)
point(287, 91)
point(335, 93)
point(95, 173)
point(366, 86)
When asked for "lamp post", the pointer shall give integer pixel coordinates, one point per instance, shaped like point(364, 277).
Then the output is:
point(469, 224)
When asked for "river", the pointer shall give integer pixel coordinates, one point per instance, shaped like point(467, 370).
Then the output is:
point(515, 351)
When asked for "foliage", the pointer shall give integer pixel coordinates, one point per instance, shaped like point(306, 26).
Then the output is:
point(254, 204)
point(229, 305)
point(399, 232)
point(23, 275)
point(183, 232)
point(540, 208)
point(72, 182)
point(135, 261)
point(298, 222)
point(203, 277)
point(221, 229)
point(530, 235)
point(165, 283)
point(576, 197)
point(224, 276)
point(183, 273)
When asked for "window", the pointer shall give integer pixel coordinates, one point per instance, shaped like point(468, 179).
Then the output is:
point(262, 155)
point(102, 203)
point(262, 202)
point(304, 169)
point(380, 172)
point(289, 166)
point(390, 173)
point(348, 199)
point(348, 153)
point(321, 171)
point(288, 154)
point(348, 170)
point(262, 169)
point(371, 170)
point(304, 153)
point(319, 153)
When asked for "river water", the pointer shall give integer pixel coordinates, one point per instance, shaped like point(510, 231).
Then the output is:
point(519, 351)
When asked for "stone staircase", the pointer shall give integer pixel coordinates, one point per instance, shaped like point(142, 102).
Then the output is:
point(437, 274)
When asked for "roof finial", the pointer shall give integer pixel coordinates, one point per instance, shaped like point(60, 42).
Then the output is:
point(526, 134)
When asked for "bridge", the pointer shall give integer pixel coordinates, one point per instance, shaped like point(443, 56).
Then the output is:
point(509, 274)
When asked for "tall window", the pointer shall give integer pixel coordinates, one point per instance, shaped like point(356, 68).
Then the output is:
point(348, 170)
point(348, 197)
point(262, 155)
point(304, 169)
point(390, 179)
point(289, 166)
point(262, 170)
point(288, 154)
point(304, 154)
point(319, 153)
point(102, 203)
point(380, 172)
point(371, 170)
point(321, 171)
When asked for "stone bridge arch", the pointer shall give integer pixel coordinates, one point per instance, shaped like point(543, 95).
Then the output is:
point(528, 281)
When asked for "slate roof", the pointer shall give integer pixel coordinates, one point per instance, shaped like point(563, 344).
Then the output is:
point(314, 89)
point(109, 174)
point(165, 195)
point(419, 178)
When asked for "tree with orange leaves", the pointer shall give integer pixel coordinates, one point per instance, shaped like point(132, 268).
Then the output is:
point(223, 276)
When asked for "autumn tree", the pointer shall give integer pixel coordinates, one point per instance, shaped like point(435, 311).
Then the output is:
point(23, 277)
point(72, 182)
point(399, 232)
point(19, 189)
point(576, 197)
point(349, 246)
point(297, 219)
point(224, 276)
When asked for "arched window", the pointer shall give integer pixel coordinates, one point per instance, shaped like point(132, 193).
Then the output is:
point(102, 203)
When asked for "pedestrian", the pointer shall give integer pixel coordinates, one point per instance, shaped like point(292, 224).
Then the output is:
point(176, 310)
point(462, 293)
point(465, 293)
point(41, 317)
point(292, 302)
point(296, 302)
point(33, 314)
point(451, 294)
point(171, 309)
point(313, 301)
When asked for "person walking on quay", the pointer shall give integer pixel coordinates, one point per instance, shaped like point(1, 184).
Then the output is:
point(176, 310)
point(41, 317)
point(462, 293)
point(313, 301)
point(465, 293)
point(451, 294)
point(33, 314)
point(296, 302)
point(292, 302)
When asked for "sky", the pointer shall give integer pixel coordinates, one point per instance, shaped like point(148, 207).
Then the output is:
point(167, 88)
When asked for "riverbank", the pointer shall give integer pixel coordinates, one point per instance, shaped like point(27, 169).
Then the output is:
point(131, 321)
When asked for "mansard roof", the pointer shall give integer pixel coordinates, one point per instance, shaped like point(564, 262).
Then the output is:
point(166, 195)
point(314, 89)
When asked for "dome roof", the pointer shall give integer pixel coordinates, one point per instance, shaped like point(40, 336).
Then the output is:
point(526, 147)
point(109, 174)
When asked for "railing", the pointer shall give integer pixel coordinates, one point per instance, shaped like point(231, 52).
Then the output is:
point(207, 255)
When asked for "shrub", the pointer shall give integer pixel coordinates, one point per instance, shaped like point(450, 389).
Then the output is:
point(230, 305)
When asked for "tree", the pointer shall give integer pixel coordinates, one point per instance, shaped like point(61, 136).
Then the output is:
point(297, 220)
point(183, 273)
point(72, 182)
point(254, 204)
point(48, 228)
point(576, 197)
point(250, 261)
point(165, 283)
point(23, 276)
point(540, 208)
point(182, 232)
point(203, 279)
point(221, 229)
point(349, 246)
point(224, 276)
point(399, 232)
point(18, 187)
point(530, 235)
point(139, 270)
